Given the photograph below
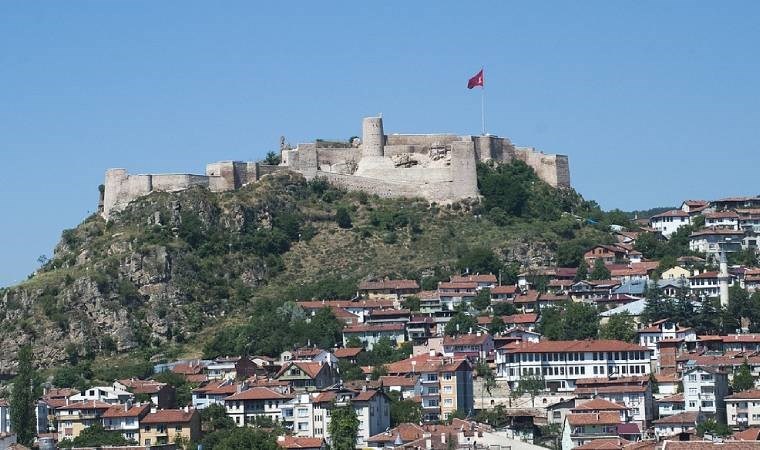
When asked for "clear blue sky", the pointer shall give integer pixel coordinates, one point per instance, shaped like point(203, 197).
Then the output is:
point(653, 101)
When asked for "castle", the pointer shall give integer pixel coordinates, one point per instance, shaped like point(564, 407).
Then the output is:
point(437, 167)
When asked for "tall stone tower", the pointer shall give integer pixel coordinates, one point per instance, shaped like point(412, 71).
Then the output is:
point(373, 138)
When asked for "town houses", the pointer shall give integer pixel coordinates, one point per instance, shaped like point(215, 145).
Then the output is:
point(507, 358)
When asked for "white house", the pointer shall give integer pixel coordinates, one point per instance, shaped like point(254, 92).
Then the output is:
point(677, 423)
point(245, 406)
point(727, 220)
point(669, 222)
point(107, 394)
point(561, 363)
point(372, 409)
point(670, 405)
point(708, 241)
point(478, 345)
point(214, 393)
point(706, 284)
point(298, 416)
point(663, 329)
point(705, 390)
point(582, 428)
point(743, 409)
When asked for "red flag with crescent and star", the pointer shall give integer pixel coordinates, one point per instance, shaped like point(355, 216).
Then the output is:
point(477, 80)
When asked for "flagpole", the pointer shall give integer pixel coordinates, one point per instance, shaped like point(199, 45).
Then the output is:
point(483, 109)
point(483, 102)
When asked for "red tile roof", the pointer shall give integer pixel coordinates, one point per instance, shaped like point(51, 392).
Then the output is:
point(752, 394)
point(477, 278)
point(466, 339)
point(601, 345)
point(389, 312)
point(503, 289)
point(299, 442)
point(364, 304)
point(258, 393)
point(598, 404)
point(311, 369)
point(677, 398)
point(365, 327)
point(389, 380)
point(348, 352)
point(191, 368)
point(688, 417)
point(143, 386)
point(388, 284)
point(467, 285)
point(427, 363)
point(714, 232)
point(603, 418)
point(520, 318)
point(722, 215)
point(218, 388)
point(671, 213)
point(89, 404)
point(709, 445)
point(170, 416)
point(750, 434)
point(122, 411)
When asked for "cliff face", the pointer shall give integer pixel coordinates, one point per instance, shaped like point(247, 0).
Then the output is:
point(172, 265)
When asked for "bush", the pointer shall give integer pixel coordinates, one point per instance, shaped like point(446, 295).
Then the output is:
point(342, 217)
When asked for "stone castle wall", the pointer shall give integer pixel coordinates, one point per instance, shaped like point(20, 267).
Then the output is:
point(437, 167)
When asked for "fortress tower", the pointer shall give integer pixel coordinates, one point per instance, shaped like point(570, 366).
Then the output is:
point(373, 138)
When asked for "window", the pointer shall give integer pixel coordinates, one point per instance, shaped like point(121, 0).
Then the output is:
point(178, 428)
point(448, 402)
point(447, 375)
point(447, 389)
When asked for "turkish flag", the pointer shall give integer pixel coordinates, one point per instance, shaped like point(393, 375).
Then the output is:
point(477, 80)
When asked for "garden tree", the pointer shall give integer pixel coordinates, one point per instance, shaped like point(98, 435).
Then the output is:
point(649, 245)
point(412, 303)
point(344, 426)
point(214, 418)
point(349, 371)
point(743, 380)
point(478, 260)
point(582, 272)
point(503, 309)
point(460, 323)
point(600, 271)
point(482, 299)
point(354, 342)
point(23, 398)
point(96, 436)
point(581, 321)
point(531, 385)
point(486, 374)
point(325, 330)
point(378, 371)
point(711, 426)
point(619, 327)
point(573, 321)
point(244, 438)
point(272, 159)
point(181, 442)
point(653, 383)
point(342, 217)
point(496, 417)
point(404, 411)
point(497, 326)
point(707, 319)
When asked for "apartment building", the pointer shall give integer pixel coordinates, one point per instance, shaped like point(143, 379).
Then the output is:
point(259, 402)
point(743, 409)
point(164, 426)
point(705, 390)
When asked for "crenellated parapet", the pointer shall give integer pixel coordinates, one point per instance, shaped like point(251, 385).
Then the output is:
point(437, 167)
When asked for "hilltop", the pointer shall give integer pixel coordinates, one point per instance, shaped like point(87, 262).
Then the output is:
point(163, 275)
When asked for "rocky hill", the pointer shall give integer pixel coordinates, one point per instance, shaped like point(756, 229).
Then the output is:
point(170, 269)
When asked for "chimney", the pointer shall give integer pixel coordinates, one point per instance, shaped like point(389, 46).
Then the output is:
point(187, 408)
point(443, 438)
point(432, 352)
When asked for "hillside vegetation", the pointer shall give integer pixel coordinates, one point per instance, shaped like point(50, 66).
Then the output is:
point(164, 276)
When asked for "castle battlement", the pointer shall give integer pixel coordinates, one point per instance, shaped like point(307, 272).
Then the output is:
point(437, 167)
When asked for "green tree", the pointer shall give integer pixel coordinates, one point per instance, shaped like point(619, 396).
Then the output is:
point(182, 389)
point(531, 385)
point(482, 300)
point(96, 436)
point(497, 326)
point(574, 321)
point(503, 309)
point(412, 303)
point(272, 159)
point(22, 398)
point(743, 380)
point(404, 411)
point(245, 438)
point(342, 217)
point(378, 371)
point(344, 427)
point(460, 323)
point(479, 260)
point(582, 272)
point(600, 271)
point(349, 371)
point(354, 342)
point(214, 418)
point(711, 426)
point(619, 327)
point(488, 380)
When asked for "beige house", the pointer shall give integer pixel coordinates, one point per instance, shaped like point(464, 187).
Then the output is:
point(676, 273)
point(74, 417)
point(164, 426)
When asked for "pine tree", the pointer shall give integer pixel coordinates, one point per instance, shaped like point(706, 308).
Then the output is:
point(22, 398)
point(600, 272)
point(743, 379)
point(582, 271)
